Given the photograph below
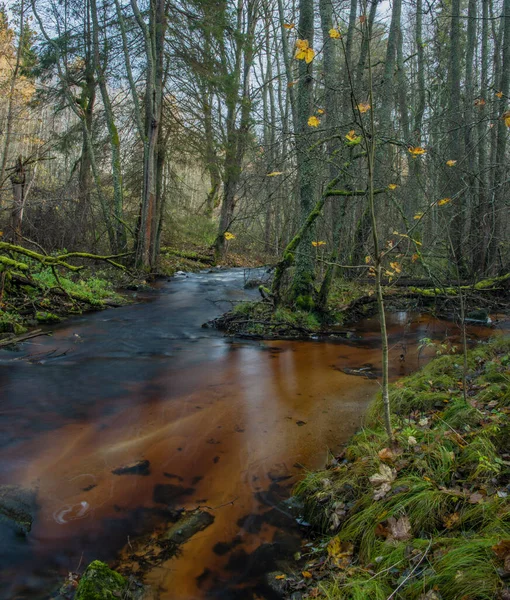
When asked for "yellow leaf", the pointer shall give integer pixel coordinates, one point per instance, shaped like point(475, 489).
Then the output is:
point(415, 257)
point(320, 111)
point(364, 107)
point(395, 266)
point(315, 244)
point(506, 118)
point(280, 576)
point(444, 201)
point(416, 151)
point(451, 163)
point(371, 272)
point(499, 94)
point(334, 34)
point(418, 216)
point(229, 236)
point(367, 259)
point(389, 273)
point(351, 136)
point(274, 174)
point(302, 44)
point(289, 25)
point(306, 574)
point(309, 55)
point(392, 186)
point(313, 121)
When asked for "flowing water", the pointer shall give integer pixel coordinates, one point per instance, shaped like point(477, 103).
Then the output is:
point(224, 424)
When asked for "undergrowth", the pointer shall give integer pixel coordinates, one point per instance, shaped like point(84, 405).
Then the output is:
point(429, 518)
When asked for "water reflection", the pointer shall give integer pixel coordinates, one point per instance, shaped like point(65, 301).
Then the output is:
point(219, 423)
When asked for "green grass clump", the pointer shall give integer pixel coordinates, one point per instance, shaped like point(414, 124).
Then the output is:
point(446, 483)
point(92, 290)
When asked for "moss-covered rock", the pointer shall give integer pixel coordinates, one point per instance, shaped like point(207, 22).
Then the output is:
point(99, 582)
point(17, 507)
point(46, 317)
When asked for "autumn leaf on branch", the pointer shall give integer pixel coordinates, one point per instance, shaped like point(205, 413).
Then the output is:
point(334, 34)
point(274, 174)
point(451, 163)
point(392, 186)
point(289, 25)
point(313, 121)
point(506, 118)
point(416, 151)
point(229, 236)
point(364, 107)
point(444, 201)
point(304, 52)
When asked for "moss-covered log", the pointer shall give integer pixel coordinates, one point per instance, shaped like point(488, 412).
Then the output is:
point(484, 285)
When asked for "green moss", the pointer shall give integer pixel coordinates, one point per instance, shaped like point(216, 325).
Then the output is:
point(99, 582)
point(46, 317)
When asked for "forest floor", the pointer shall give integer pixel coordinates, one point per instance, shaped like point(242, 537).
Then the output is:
point(427, 518)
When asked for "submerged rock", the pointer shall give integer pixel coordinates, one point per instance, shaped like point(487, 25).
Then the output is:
point(140, 467)
point(17, 507)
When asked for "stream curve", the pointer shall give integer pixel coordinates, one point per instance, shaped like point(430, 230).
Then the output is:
point(223, 423)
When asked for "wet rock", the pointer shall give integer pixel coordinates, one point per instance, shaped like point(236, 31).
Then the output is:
point(276, 582)
point(167, 493)
point(190, 524)
point(279, 473)
point(140, 467)
point(17, 507)
point(222, 548)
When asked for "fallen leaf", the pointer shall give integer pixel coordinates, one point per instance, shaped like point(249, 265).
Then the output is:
point(382, 481)
point(475, 498)
point(274, 174)
point(451, 520)
point(280, 576)
point(386, 454)
point(502, 550)
point(306, 574)
point(400, 529)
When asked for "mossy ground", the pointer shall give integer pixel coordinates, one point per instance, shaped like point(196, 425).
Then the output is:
point(24, 306)
point(429, 518)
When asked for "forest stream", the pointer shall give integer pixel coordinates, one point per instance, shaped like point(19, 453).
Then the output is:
point(226, 424)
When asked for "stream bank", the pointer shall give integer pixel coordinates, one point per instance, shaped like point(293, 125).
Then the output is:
point(428, 518)
point(122, 416)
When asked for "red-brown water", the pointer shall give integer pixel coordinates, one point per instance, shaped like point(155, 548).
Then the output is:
point(219, 420)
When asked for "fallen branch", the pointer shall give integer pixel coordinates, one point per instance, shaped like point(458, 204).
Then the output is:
point(21, 338)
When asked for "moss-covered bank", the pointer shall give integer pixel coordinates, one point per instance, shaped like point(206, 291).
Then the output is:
point(429, 518)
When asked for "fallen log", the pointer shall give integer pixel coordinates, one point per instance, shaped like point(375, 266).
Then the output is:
point(16, 339)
